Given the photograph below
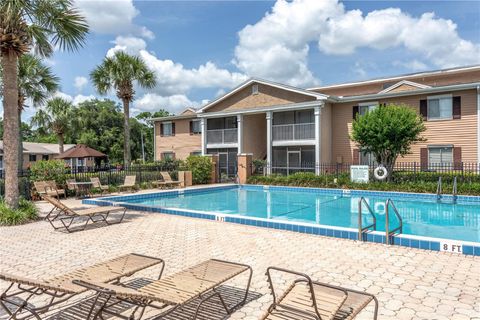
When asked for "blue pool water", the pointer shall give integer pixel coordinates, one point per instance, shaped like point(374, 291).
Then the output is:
point(421, 217)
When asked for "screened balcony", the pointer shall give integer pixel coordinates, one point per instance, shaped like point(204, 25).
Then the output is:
point(293, 125)
point(222, 131)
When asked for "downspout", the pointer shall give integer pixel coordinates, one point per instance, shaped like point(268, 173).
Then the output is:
point(154, 141)
point(478, 124)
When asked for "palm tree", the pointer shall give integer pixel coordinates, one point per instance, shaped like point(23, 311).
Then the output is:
point(40, 25)
point(36, 82)
point(55, 118)
point(119, 73)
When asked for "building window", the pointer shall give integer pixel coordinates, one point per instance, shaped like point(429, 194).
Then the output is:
point(365, 107)
point(440, 155)
point(168, 155)
point(1, 162)
point(32, 157)
point(196, 153)
point(80, 162)
point(45, 157)
point(439, 107)
point(255, 89)
point(195, 127)
point(167, 129)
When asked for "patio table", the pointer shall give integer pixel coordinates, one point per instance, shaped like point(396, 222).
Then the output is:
point(83, 188)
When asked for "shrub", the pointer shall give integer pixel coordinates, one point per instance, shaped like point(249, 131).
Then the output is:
point(201, 168)
point(48, 170)
point(26, 212)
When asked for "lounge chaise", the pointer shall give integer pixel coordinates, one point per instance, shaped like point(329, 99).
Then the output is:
point(167, 180)
point(67, 215)
point(306, 299)
point(48, 188)
point(172, 292)
point(15, 300)
point(129, 183)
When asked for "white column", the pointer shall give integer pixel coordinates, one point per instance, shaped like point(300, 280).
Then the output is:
point(203, 126)
point(318, 139)
point(240, 133)
point(269, 142)
point(154, 141)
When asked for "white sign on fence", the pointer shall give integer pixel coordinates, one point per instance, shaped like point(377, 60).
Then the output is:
point(359, 174)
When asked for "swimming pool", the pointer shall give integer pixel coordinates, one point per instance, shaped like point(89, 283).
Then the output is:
point(422, 215)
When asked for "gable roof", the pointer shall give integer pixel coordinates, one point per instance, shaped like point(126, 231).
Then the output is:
point(81, 151)
point(319, 96)
point(405, 82)
point(41, 148)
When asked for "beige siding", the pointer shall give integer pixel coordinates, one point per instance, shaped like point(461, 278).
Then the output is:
point(182, 143)
point(432, 80)
point(266, 96)
point(404, 87)
point(460, 133)
point(326, 134)
point(255, 135)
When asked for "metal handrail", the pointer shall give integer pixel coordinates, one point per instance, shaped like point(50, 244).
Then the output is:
point(388, 232)
point(360, 228)
point(439, 188)
point(454, 191)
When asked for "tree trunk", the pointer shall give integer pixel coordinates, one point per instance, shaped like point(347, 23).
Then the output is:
point(126, 127)
point(60, 142)
point(11, 130)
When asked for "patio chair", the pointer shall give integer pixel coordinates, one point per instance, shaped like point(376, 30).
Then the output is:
point(16, 299)
point(97, 184)
point(47, 188)
point(52, 185)
point(129, 183)
point(67, 215)
point(306, 299)
point(167, 180)
point(173, 292)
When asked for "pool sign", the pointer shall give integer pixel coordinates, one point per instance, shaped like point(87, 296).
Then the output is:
point(359, 174)
point(451, 246)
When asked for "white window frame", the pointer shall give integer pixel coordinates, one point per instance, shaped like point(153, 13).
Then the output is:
point(371, 105)
point(446, 146)
point(171, 128)
point(199, 126)
point(170, 153)
point(439, 97)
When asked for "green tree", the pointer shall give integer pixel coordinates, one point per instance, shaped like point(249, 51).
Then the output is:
point(40, 25)
point(388, 132)
point(36, 82)
point(119, 73)
point(55, 118)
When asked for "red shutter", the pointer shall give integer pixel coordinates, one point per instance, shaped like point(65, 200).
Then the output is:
point(457, 158)
point(173, 155)
point(191, 127)
point(424, 158)
point(356, 156)
point(424, 109)
point(457, 107)
point(173, 128)
point(161, 129)
point(355, 112)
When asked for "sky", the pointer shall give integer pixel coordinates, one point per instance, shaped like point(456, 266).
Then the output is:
point(201, 49)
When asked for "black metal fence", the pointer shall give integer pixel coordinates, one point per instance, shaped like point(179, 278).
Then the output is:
point(411, 171)
point(112, 176)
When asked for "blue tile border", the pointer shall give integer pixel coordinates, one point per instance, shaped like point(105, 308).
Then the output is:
point(341, 233)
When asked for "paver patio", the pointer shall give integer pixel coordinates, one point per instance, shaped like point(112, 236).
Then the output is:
point(409, 283)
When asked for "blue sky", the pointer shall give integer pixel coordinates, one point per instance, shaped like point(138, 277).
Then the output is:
point(201, 49)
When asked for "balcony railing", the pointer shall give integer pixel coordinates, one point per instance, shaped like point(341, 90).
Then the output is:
point(299, 131)
point(222, 136)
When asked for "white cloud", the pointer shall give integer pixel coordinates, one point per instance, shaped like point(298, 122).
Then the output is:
point(75, 100)
point(112, 17)
point(80, 83)
point(277, 46)
point(131, 45)
point(154, 102)
point(414, 65)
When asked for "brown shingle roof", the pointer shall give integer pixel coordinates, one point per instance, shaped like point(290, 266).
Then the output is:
point(81, 151)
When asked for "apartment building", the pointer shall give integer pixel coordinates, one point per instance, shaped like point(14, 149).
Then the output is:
point(295, 128)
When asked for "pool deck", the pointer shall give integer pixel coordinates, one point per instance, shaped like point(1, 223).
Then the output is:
point(409, 283)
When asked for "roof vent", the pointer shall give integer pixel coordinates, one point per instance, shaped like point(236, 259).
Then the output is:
point(255, 89)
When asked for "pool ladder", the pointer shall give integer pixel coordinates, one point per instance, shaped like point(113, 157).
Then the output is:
point(388, 233)
point(454, 191)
